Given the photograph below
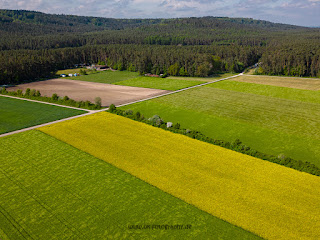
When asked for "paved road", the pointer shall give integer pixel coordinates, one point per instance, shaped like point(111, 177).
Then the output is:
point(89, 112)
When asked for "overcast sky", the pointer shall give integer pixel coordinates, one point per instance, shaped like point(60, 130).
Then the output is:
point(297, 12)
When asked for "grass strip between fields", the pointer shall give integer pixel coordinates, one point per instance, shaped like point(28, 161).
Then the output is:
point(159, 83)
point(269, 200)
point(106, 76)
point(133, 79)
point(51, 190)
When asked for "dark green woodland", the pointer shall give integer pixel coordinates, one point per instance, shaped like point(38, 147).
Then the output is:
point(35, 45)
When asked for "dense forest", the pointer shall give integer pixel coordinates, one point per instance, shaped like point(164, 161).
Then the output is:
point(35, 45)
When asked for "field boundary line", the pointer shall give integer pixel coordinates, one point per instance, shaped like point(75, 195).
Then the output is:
point(53, 104)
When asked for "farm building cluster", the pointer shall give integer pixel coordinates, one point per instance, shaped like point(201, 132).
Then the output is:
point(70, 75)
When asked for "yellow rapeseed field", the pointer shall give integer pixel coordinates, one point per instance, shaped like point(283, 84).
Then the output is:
point(270, 200)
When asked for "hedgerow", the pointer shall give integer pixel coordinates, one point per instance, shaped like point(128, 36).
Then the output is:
point(36, 95)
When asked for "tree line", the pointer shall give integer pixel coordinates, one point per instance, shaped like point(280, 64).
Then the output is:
point(18, 66)
point(292, 60)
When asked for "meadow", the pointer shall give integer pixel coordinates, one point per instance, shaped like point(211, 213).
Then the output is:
point(267, 199)
point(16, 114)
point(51, 190)
point(158, 83)
point(68, 71)
point(290, 82)
point(270, 91)
point(133, 79)
point(270, 119)
point(204, 79)
point(107, 76)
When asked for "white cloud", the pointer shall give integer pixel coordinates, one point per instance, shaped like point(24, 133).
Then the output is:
point(301, 12)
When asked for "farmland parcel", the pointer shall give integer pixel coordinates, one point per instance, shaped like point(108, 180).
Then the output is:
point(270, 119)
point(291, 82)
point(16, 114)
point(107, 76)
point(159, 83)
point(83, 91)
point(267, 199)
point(133, 79)
point(51, 190)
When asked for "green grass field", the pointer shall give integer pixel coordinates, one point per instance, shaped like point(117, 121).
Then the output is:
point(281, 81)
point(67, 71)
point(16, 114)
point(133, 79)
point(107, 76)
point(205, 79)
point(158, 83)
point(270, 91)
point(270, 119)
point(51, 190)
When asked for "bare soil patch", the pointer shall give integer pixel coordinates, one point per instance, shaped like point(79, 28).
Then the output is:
point(291, 82)
point(88, 91)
